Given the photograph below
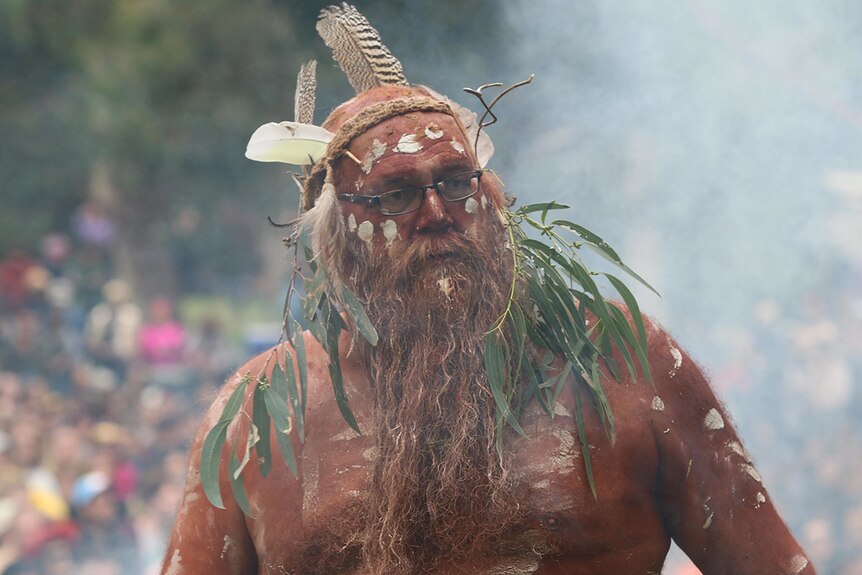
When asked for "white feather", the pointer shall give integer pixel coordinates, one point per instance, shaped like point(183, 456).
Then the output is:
point(289, 143)
point(326, 224)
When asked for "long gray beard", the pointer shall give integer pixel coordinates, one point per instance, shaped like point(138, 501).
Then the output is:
point(439, 487)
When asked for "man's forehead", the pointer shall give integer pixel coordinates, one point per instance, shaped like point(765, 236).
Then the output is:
point(402, 131)
point(396, 142)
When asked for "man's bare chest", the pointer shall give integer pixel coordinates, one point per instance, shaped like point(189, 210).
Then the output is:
point(560, 515)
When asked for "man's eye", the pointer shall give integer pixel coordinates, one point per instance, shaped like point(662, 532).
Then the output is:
point(458, 182)
point(458, 187)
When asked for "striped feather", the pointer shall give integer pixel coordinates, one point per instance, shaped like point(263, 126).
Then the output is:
point(357, 48)
point(306, 89)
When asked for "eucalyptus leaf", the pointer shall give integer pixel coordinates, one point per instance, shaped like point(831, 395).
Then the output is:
point(281, 417)
point(632, 304)
point(236, 484)
point(540, 207)
point(210, 460)
point(585, 444)
point(261, 418)
point(276, 405)
point(496, 367)
point(299, 347)
point(640, 350)
point(333, 332)
point(623, 267)
point(213, 443)
point(354, 308)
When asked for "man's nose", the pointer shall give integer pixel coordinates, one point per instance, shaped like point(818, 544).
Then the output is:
point(433, 216)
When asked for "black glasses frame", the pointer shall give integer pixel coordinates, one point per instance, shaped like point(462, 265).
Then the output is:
point(375, 200)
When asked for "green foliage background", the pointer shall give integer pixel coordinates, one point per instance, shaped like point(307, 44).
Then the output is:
point(147, 105)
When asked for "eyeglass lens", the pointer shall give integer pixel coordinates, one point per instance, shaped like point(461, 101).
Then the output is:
point(452, 189)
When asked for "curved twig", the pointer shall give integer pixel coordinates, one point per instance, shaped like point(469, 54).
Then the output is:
point(478, 93)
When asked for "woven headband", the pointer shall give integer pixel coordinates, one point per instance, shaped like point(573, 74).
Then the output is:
point(367, 118)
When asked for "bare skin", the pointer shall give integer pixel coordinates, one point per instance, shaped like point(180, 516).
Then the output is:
point(677, 470)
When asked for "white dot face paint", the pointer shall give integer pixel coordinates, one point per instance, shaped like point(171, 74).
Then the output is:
point(797, 564)
point(390, 231)
point(657, 404)
point(484, 201)
point(433, 132)
point(366, 231)
point(761, 499)
point(351, 223)
point(378, 148)
point(458, 147)
point(677, 361)
point(708, 521)
point(471, 205)
point(407, 144)
point(713, 420)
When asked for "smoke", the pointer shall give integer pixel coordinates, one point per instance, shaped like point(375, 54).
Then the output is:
point(718, 147)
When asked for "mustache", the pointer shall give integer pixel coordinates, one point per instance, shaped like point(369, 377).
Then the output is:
point(448, 246)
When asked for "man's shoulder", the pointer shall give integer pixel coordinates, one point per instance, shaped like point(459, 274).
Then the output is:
point(310, 363)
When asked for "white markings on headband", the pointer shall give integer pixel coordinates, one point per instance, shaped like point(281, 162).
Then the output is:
point(366, 231)
point(657, 404)
point(432, 132)
point(390, 231)
point(407, 144)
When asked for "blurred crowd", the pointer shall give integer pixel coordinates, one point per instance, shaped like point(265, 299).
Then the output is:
point(99, 401)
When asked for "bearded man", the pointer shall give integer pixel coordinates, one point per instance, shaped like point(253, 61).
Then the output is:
point(405, 218)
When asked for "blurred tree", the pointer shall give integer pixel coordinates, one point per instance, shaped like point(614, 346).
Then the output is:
point(145, 106)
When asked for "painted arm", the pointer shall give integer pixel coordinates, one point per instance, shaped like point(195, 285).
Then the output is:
point(710, 494)
point(206, 539)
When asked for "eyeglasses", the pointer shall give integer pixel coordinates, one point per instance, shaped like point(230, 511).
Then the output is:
point(452, 189)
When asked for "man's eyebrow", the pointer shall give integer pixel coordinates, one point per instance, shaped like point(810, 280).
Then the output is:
point(399, 180)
